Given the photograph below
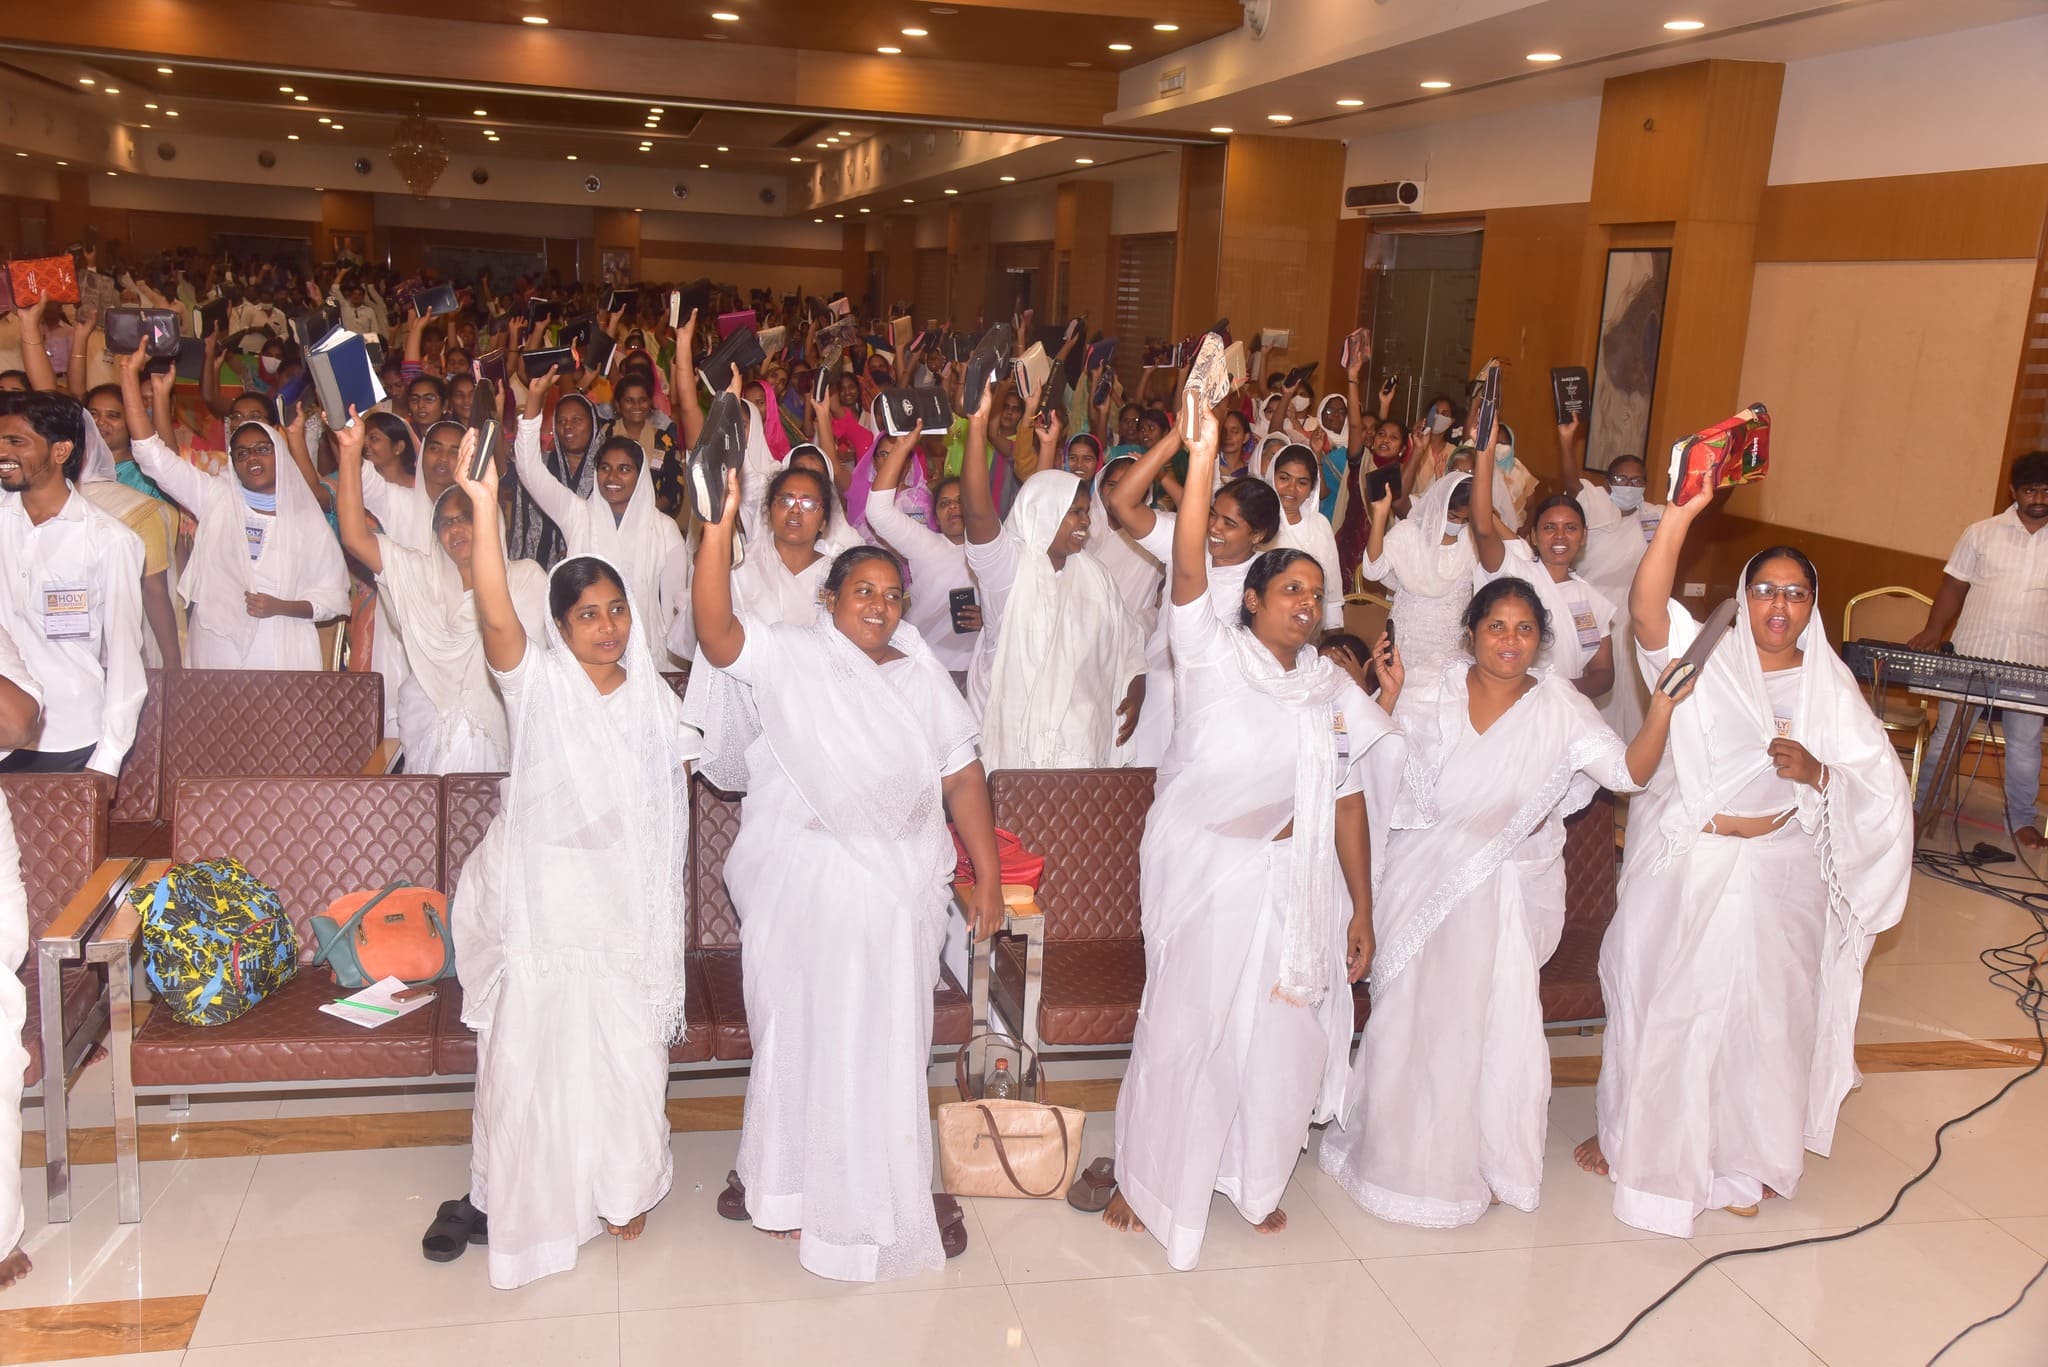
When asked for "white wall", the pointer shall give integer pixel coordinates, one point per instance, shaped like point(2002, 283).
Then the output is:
point(1147, 197)
point(779, 232)
point(1526, 156)
point(474, 216)
point(205, 197)
point(1955, 102)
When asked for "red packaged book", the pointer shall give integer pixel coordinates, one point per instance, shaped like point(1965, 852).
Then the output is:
point(44, 278)
point(1733, 451)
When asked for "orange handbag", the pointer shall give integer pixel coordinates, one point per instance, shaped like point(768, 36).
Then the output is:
point(400, 931)
point(44, 278)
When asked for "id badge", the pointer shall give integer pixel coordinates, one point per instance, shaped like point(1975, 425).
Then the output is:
point(1589, 630)
point(1782, 725)
point(1342, 735)
point(67, 613)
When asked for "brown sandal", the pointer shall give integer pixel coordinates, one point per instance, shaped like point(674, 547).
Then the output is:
point(732, 1202)
point(1094, 1187)
point(952, 1224)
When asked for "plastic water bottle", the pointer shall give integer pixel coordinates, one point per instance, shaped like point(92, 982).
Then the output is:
point(1001, 1084)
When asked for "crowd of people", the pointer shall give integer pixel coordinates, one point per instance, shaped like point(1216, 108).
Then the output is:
point(1068, 577)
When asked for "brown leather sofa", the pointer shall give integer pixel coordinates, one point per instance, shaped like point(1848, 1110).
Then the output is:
point(60, 828)
point(224, 723)
point(1088, 823)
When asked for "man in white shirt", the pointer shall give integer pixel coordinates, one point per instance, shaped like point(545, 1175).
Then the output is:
point(20, 708)
point(1993, 604)
point(70, 593)
point(357, 313)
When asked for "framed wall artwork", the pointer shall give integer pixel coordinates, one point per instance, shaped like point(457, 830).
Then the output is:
point(1625, 365)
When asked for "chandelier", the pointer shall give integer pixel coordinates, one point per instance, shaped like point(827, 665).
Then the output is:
point(419, 152)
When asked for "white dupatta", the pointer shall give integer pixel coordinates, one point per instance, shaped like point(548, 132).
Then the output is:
point(1132, 569)
point(1862, 825)
point(597, 826)
point(1315, 535)
point(1062, 633)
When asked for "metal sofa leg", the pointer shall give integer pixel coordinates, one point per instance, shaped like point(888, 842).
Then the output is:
point(120, 1034)
point(180, 1107)
point(56, 1085)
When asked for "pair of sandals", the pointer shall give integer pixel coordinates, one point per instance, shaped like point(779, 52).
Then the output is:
point(732, 1205)
point(457, 1225)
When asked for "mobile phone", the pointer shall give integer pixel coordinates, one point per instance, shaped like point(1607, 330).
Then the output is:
point(1389, 385)
point(1381, 481)
point(483, 410)
point(956, 601)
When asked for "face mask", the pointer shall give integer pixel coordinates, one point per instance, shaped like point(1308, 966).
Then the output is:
point(271, 364)
point(1440, 423)
point(1301, 403)
point(1627, 497)
point(1504, 457)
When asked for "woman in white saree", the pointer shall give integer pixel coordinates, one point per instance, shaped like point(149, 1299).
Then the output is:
point(265, 567)
point(1770, 849)
point(617, 521)
point(569, 919)
point(1447, 1104)
point(1425, 561)
point(453, 720)
point(1257, 908)
point(840, 874)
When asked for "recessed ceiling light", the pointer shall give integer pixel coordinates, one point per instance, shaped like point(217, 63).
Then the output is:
point(299, 99)
point(845, 133)
point(113, 90)
point(149, 106)
point(655, 109)
point(143, 125)
point(703, 166)
point(817, 220)
point(915, 33)
point(1279, 118)
point(1219, 128)
point(319, 189)
point(63, 163)
point(334, 128)
point(284, 90)
point(650, 124)
point(725, 149)
point(725, 16)
point(488, 132)
point(839, 215)
point(170, 113)
point(1436, 85)
point(1166, 28)
point(937, 9)
point(1084, 161)
point(1546, 57)
point(163, 71)
point(113, 173)
point(572, 156)
point(481, 113)
point(907, 201)
point(952, 192)
point(21, 154)
point(890, 51)
point(1350, 104)
point(823, 146)
point(1684, 25)
point(87, 80)
point(1119, 47)
point(1077, 64)
point(540, 19)
point(325, 119)
point(291, 137)
point(864, 210)
point(833, 137)
point(796, 159)
point(1008, 179)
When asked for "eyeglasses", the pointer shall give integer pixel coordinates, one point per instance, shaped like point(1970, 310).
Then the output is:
point(1791, 593)
point(801, 502)
point(1625, 481)
point(260, 449)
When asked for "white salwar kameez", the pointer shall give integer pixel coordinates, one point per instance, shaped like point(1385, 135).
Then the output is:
point(1447, 1104)
point(1057, 650)
point(1615, 543)
point(1734, 968)
point(405, 515)
point(570, 944)
point(643, 542)
point(463, 730)
point(300, 561)
point(1431, 584)
point(1231, 1062)
point(840, 874)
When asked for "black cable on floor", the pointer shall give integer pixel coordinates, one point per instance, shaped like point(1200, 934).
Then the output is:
point(2016, 968)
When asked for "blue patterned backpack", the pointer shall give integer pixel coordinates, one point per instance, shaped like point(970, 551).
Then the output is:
point(214, 941)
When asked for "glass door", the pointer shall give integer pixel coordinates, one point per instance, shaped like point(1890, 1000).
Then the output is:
point(1419, 293)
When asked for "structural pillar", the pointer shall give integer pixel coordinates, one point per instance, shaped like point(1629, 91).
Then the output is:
point(970, 263)
point(1084, 266)
point(352, 215)
point(899, 264)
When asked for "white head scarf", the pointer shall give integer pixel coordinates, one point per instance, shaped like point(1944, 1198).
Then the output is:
point(640, 544)
point(1340, 435)
point(1314, 534)
point(1062, 631)
point(98, 466)
point(1424, 564)
point(1132, 569)
point(301, 557)
point(596, 810)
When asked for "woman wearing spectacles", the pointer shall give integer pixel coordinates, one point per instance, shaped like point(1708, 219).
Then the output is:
point(1771, 847)
point(840, 875)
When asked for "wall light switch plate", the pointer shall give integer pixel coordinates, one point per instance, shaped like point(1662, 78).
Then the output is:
point(1695, 590)
point(1274, 339)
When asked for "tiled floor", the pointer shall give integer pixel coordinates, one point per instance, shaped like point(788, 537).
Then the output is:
point(312, 1258)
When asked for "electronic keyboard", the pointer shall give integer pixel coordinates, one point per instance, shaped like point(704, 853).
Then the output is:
point(1959, 678)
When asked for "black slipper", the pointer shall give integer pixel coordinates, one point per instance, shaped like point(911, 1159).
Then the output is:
point(457, 1225)
point(952, 1224)
point(732, 1202)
